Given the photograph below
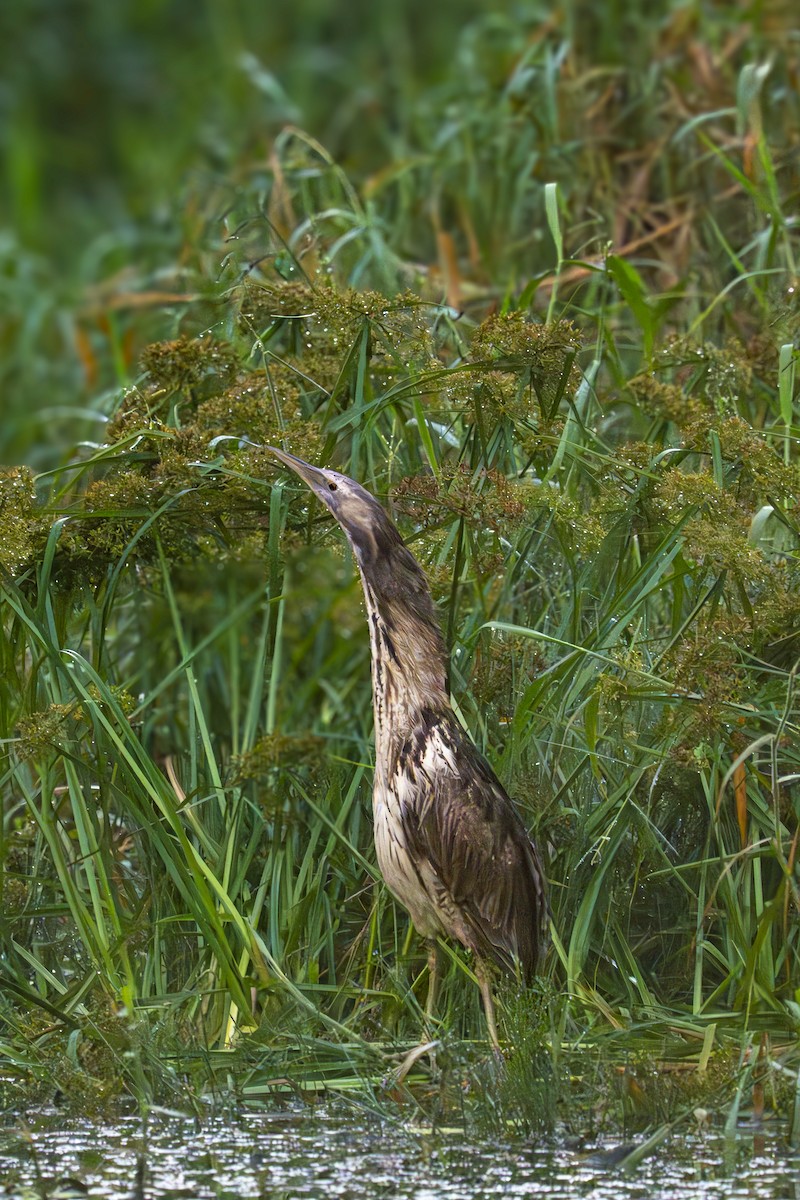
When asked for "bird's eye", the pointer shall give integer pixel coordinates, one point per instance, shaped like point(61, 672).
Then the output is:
point(333, 486)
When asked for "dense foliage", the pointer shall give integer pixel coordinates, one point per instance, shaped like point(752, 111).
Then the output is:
point(582, 415)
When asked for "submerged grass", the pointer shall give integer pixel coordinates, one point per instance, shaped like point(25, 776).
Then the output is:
point(584, 420)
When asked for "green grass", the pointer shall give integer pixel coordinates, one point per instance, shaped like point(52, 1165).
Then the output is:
point(557, 334)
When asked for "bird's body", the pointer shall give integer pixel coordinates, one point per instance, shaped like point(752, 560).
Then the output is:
point(450, 844)
point(474, 872)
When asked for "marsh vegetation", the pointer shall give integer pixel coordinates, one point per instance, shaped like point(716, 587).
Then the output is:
point(552, 321)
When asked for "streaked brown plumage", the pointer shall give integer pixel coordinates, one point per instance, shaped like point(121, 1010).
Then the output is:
point(449, 842)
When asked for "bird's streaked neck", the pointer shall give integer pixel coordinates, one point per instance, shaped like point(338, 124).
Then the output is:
point(409, 661)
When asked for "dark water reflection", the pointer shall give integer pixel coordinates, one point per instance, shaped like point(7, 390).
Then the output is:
point(322, 1154)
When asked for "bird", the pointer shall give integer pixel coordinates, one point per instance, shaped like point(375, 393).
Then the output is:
point(450, 845)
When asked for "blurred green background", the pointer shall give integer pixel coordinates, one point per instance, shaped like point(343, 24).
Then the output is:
point(117, 118)
point(128, 129)
point(176, 631)
point(106, 107)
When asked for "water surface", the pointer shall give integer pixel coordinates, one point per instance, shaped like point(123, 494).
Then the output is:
point(328, 1153)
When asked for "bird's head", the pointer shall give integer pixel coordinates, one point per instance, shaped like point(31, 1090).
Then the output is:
point(367, 526)
point(394, 583)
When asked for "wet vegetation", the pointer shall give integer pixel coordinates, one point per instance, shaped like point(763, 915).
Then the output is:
point(554, 326)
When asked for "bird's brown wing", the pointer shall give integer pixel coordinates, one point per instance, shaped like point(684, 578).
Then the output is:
point(465, 830)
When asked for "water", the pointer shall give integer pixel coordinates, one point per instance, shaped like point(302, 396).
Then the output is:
point(305, 1155)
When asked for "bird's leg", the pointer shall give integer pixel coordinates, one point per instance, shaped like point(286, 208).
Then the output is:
point(430, 1002)
point(428, 1047)
point(485, 984)
point(433, 983)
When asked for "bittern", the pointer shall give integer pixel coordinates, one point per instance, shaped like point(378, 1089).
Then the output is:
point(450, 844)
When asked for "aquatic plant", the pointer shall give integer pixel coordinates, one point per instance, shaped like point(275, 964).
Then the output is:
point(595, 457)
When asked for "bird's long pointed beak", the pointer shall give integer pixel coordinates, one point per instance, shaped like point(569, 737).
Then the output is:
point(312, 476)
